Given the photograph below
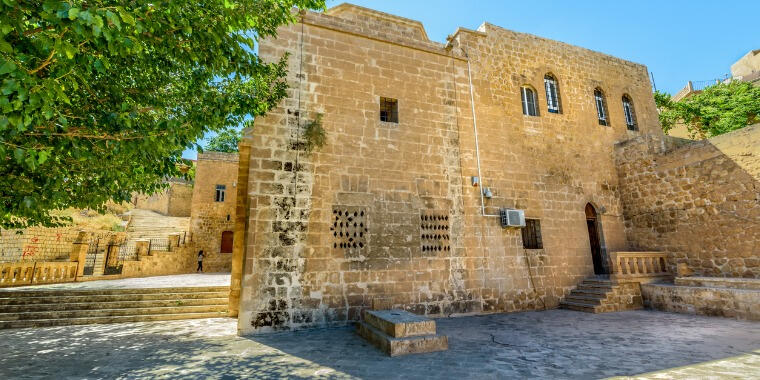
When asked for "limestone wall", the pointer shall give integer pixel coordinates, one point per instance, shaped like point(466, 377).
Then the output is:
point(176, 200)
point(712, 301)
point(159, 263)
point(698, 201)
point(387, 210)
point(209, 218)
point(180, 199)
point(36, 244)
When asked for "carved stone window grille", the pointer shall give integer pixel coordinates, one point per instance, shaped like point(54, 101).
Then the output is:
point(434, 232)
point(349, 227)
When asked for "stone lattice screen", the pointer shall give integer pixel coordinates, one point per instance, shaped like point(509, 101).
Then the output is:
point(350, 229)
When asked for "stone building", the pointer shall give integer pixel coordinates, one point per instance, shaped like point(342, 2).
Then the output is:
point(427, 143)
point(174, 201)
point(212, 217)
point(746, 69)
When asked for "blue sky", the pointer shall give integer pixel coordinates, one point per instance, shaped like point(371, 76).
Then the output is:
point(677, 40)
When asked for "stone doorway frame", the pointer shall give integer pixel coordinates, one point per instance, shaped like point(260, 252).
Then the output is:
point(599, 258)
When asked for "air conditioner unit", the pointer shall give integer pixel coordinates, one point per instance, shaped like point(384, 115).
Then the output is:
point(512, 218)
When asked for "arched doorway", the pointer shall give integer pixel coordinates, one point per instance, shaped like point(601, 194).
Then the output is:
point(592, 223)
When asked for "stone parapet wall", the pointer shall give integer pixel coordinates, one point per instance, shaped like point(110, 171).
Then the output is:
point(159, 263)
point(697, 201)
point(712, 301)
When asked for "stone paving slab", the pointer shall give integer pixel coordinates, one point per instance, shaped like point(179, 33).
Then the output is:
point(170, 281)
point(555, 344)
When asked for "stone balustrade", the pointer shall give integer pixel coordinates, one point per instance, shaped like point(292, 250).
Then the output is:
point(54, 272)
point(14, 274)
point(639, 266)
point(27, 273)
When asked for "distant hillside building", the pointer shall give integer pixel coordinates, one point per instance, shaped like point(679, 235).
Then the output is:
point(746, 69)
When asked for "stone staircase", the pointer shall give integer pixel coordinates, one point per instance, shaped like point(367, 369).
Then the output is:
point(399, 332)
point(42, 308)
point(600, 295)
point(146, 224)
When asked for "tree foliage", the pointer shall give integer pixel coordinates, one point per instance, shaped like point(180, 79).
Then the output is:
point(98, 98)
point(225, 141)
point(716, 110)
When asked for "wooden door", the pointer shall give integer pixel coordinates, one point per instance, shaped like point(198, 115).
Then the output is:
point(227, 242)
point(593, 237)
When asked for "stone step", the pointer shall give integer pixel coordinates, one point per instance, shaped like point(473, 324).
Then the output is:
point(580, 298)
point(83, 292)
point(591, 292)
point(592, 286)
point(72, 314)
point(399, 323)
point(111, 319)
point(109, 298)
point(578, 306)
point(401, 346)
point(89, 305)
point(603, 281)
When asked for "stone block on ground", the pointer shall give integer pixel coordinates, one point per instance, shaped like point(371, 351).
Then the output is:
point(399, 332)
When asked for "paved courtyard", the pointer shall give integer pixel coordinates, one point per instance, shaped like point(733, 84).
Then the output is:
point(550, 344)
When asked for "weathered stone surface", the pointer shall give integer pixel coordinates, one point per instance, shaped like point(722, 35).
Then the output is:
point(719, 282)
point(426, 243)
point(174, 201)
point(399, 323)
point(602, 296)
point(401, 346)
point(697, 201)
point(713, 301)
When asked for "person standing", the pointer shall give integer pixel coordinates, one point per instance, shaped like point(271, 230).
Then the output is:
point(200, 261)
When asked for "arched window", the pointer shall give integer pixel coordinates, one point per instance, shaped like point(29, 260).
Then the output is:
point(601, 107)
point(630, 114)
point(528, 101)
point(552, 93)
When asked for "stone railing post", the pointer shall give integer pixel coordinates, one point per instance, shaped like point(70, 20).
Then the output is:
point(77, 246)
point(80, 248)
point(173, 242)
point(142, 247)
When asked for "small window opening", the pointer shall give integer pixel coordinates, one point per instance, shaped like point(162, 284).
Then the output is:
point(531, 234)
point(389, 110)
point(552, 94)
point(601, 107)
point(528, 101)
point(219, 195)
point(630, 114)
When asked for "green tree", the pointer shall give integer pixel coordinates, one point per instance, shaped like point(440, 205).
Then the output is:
point(224, 141)
point(716, 110)
point(98, 98)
